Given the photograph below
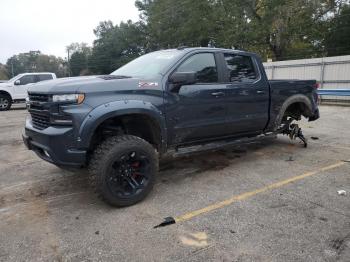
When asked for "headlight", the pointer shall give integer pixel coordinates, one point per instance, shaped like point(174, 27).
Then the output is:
point(27, 102)
point(69, 98)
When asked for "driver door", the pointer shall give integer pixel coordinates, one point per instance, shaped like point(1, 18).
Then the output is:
point(197, 111)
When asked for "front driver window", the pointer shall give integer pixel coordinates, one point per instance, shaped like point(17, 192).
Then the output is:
point(27, 79)
point(204, 65)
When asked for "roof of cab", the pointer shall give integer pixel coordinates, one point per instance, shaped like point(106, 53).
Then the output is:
point(37, 73)
point(191, 49)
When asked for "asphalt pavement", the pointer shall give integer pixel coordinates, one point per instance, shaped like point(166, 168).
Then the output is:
point(268, 201)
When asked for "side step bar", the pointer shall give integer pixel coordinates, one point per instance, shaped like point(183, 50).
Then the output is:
point(182, 151)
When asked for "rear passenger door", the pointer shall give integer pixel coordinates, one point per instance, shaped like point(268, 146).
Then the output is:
point(248, 94)
point(43, 77)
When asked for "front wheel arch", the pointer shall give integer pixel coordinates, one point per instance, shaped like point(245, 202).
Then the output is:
point(119, 109)
point(4, 94)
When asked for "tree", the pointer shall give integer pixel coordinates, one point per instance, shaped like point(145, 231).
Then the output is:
point(78, 63)
point(289, 29)
point(280, 29)
point(4, 75)
point(50, 63)
point(35, 61)
point(79, 57)
point(337, 40)
point(23, 62)
point(115, 46)
point(173, 23)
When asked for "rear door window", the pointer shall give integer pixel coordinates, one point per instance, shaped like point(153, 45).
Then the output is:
point(44, 77)
point(240, 68)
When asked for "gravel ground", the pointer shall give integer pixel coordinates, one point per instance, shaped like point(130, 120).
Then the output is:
point(47, 214)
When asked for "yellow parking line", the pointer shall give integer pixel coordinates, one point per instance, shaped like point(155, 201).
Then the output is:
point(246, 195)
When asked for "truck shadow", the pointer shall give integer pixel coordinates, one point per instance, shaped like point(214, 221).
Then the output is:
point(62, 186)
point(175, 169)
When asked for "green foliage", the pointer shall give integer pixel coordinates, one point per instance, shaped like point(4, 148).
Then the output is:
point(4, 75)
point(35, 61)
point(337, 40)
point(281, 29)
point(78, 63)
point(46, 63)
point(174, 23)
point(79, 58)
point(116, 45)
point(277, 29)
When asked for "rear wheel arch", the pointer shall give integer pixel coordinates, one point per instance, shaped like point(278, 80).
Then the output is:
point(295, 106)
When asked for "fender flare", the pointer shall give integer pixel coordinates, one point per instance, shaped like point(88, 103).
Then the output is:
point(292, 100)
point(119, 108)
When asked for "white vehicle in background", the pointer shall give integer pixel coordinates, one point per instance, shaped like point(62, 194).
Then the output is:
point(15, 89)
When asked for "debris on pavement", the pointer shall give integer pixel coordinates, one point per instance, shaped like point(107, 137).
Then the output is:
point(290, 159)
point(294, 131)
point(314, 138)
point(167, 221)
point(341, 192)
point(323, 219)
point(40, 194)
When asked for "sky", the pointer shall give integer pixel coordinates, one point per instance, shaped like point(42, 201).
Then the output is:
point(51, 25)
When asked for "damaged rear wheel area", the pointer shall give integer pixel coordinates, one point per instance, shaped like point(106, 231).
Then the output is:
point(288, 126)
point(294, 132)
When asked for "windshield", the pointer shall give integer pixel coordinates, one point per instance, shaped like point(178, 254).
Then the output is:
point(14, 78)
point(149, 65)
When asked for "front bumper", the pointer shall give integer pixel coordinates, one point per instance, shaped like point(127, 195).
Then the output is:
point(54, 144)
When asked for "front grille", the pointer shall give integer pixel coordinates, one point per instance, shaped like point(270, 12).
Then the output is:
point(39, 98)
point(38, 110)
point(40, 121)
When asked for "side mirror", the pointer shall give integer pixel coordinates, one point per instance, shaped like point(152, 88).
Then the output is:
point(17, 82)
point(183, 78)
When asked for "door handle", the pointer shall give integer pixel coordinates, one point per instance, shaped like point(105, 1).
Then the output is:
point(218, 94)
point(260, 92)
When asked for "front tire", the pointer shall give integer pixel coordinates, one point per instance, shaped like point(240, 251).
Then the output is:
point(123, 170)
point(5, 102)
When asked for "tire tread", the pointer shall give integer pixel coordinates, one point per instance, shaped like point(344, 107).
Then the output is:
point(101, 154)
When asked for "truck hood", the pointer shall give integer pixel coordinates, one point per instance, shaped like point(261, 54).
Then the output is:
point(85, 84)
point(5, 84)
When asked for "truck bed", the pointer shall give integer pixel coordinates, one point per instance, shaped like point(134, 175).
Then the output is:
point(291, 82)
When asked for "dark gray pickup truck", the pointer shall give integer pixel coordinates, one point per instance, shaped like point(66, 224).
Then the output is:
point(168, 102)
